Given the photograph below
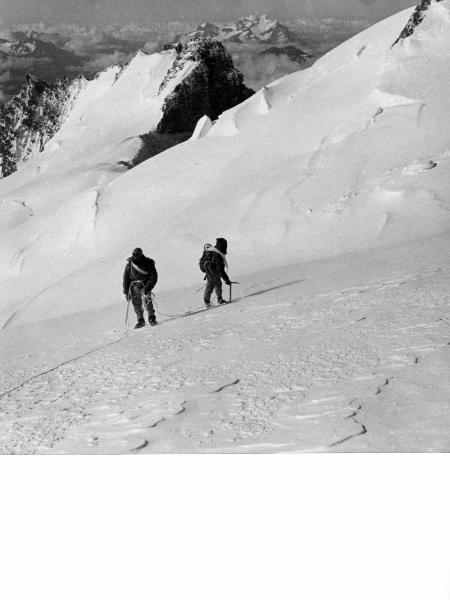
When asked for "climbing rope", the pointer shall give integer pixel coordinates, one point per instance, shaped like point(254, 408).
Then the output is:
point(172, 316)
point(156, 307)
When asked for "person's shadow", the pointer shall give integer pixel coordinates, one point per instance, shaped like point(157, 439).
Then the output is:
point(275, 287)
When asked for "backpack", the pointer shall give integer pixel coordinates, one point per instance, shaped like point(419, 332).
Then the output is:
point(205, 258)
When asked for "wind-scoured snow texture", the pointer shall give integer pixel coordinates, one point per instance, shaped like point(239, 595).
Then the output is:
point(319, 163)
point(212, 86)
point(345, 353)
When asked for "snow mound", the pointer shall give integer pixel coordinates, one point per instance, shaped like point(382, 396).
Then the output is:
point(264, 104)
point(201, 129)
point(318, 164)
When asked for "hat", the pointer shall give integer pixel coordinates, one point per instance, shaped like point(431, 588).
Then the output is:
point(137, 252)
point(221, 245)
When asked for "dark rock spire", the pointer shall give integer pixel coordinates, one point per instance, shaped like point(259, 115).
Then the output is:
point(416, 18)
point(213, 86)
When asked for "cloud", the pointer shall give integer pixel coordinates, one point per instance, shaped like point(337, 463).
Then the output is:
point(21, 62)
point(140, 33)
point(5, 77)
point(100, 47)
point(127, 39)
point(131, 33)
point(89, 44)
point(151, 47)
point(97, 47)
point(13, 70)
point(260, 70)
point(101, 61)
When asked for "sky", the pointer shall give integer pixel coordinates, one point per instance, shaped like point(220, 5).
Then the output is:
point(98, 12)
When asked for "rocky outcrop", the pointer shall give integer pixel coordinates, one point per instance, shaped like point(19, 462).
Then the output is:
point(211, 87)
point(416, 18)
point(31, 118)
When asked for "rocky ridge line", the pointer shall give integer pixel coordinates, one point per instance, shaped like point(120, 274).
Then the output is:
point(415, 20)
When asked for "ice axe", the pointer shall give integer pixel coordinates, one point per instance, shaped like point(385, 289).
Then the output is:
point(128, 308)
point(231, 285)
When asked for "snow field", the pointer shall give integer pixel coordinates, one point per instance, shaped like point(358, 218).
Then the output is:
point(308, 359)
point(332, 188)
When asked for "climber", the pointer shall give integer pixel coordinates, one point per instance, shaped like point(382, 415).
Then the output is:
point(139, 279)
point(213, 263)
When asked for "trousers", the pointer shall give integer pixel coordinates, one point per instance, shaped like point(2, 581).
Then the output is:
point(141, 301)
point(213, 283)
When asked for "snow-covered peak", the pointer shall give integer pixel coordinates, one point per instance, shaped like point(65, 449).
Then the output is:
point(251, 28)
point(268, 30)
point(266, 24)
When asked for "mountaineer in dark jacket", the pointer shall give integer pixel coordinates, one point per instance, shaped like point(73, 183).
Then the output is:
point(139, 278)
point(215, 266)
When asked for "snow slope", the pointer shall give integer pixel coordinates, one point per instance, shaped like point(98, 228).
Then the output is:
point(324, 161)
point(332, 187)
point(348, 353)
point(49, 209)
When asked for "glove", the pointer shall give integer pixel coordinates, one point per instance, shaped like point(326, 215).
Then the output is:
point(227, 282)
point(126, 296)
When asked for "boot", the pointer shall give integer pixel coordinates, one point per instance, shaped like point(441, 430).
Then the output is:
point(222, 301)
point(139, 324)
point(152, 321)
point(207, 304)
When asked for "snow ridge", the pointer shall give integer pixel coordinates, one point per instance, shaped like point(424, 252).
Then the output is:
point(416, 19)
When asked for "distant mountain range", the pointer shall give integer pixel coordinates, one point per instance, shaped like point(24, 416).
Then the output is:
point(253, 28)
point(49, 56)
point(45, 57)
point(21, 53)
point(30, 45)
